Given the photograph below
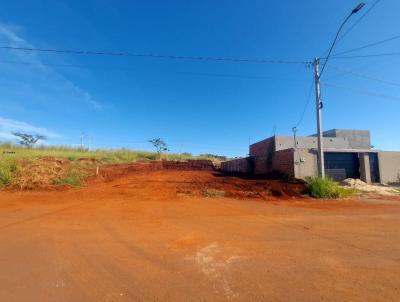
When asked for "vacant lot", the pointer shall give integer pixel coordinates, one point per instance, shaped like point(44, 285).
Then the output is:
point(191, 236)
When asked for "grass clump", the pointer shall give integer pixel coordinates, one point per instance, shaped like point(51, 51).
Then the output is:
point(327, 188)
point(212, 193)
point(74, 177)
point(7, 168)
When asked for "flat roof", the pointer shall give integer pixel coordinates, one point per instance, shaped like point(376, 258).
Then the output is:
point(343, 150)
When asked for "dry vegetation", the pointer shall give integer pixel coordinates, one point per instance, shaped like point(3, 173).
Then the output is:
point(42, 167)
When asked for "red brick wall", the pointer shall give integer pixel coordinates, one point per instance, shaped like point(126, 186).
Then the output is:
point(280, 162)
point(263, 147)
point(240, 165)
point(283, 162)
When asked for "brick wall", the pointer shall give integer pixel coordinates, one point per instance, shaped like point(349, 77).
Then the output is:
point(283, 162)
point(276, 163)
point(237, 166)
point(263, 147)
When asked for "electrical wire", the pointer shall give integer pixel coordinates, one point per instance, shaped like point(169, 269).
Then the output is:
point(207, 74)
point(157, 56)
point(365, 92)
point(367, 56)
point(358, 20)
point(306, 105)
point(357, 74)
point(354, 25)
point(333, 44)
point(367, 46)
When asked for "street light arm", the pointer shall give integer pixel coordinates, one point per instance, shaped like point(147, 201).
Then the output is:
point(354, 11)
point(334, 42)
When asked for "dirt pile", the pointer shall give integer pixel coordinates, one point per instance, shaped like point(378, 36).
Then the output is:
point(358, 184)
point(150, 178)
point(227, 186)
point(39, 173)
point(46, 172)
point(153, 179)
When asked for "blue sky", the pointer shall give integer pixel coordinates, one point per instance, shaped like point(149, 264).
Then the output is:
point(195, 106)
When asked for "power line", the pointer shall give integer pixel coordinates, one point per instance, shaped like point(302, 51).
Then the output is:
point(354, 25)
point(358, 20)
point(207, 74)
point(367, 56)
point(365, 92)
point(156, 56)
point(366, 76)
point(333, 44)
point(306, 104)
point(354, 11)
point(368, 45)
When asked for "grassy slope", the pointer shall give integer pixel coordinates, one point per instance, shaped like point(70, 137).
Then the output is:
point(12, 171)
point(109, 156)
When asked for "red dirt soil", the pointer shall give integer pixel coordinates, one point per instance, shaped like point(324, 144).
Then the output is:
point(149, 236)
point(201, 181)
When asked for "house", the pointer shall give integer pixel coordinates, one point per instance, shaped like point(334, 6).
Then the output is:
point(348, 154)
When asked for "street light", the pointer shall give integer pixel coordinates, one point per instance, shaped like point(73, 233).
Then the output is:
point(358, 8)
point(319, 105)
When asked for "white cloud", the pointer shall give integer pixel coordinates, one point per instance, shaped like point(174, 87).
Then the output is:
point(7, 126)
point(35, 72)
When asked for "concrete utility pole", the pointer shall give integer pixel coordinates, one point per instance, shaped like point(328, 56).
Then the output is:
point(317, 76)
point(294, 129)
point(320, 159)
point(82, 134)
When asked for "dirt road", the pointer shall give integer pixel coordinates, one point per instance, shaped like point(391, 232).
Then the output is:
point(144, 237)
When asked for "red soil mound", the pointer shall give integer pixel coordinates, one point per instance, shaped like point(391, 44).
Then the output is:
point(177, 178)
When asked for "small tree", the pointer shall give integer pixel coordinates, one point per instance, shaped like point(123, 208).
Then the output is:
point(159, 145)
point(28, 140)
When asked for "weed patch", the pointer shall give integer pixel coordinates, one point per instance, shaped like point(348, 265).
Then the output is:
point(74, 177)
point(212, 193)
point(7, 168)
point(327, 188)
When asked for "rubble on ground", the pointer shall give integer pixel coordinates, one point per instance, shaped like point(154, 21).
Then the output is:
point(358, 184)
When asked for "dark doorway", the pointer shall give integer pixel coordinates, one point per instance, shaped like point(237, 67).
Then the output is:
point(340, 166)
point(374, 167)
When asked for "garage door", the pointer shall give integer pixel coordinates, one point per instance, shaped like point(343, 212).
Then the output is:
point(340, 166)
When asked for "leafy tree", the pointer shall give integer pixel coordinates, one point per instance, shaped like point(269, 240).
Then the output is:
point(28, 140)
point(159, 145)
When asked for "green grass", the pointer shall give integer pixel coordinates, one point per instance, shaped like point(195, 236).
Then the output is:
point(74, 178)
point(327, 188)
point(105, 155)
point(7, 168)
point(213, 193)
point(12, 155)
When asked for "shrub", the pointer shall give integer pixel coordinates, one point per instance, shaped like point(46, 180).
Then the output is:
point(326, 188)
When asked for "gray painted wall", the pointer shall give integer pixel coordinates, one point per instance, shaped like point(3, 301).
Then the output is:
point(287, 142)
point(333, 139)
point(305, 163)
point(389, 166)
point(357, 139)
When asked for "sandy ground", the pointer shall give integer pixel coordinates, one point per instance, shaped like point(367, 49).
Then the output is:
point(135, 239)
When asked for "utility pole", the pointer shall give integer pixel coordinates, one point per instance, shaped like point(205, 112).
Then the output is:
point(89, 142)
point(82, 134)
point(317, 76)
point(320, 159)
point(294, 129)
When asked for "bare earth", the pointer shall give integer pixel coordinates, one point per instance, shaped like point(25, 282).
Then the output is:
point(150, 236)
